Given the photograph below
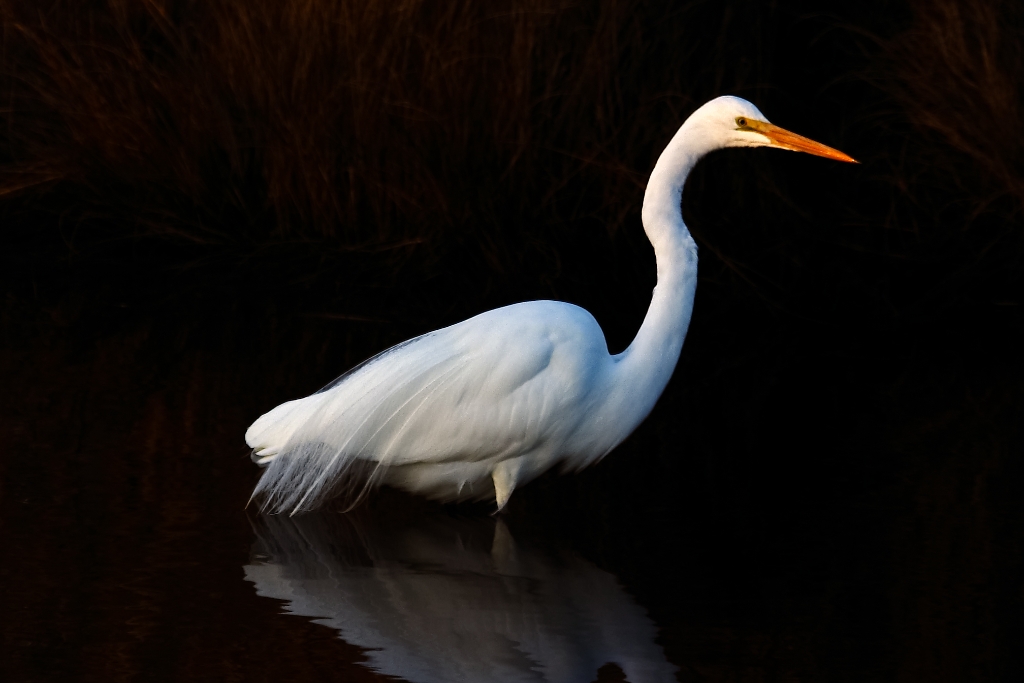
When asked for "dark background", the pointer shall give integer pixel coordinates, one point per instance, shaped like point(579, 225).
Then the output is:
point(207, 208)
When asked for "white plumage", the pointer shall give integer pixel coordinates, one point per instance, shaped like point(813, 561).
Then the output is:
point(473, 410)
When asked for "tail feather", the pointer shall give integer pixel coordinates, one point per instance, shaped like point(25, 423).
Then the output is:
point(340, 441)
point(263, 457)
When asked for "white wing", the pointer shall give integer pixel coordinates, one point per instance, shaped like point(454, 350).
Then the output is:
point(508, 382)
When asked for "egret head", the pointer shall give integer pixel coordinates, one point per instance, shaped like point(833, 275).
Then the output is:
point(733, 122)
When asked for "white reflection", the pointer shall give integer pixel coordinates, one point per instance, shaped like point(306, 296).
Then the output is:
point(441, 599)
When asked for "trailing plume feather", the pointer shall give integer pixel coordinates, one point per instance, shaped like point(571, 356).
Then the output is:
point(339, 439)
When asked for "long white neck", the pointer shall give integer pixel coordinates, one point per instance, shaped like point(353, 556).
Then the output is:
point(643, 370)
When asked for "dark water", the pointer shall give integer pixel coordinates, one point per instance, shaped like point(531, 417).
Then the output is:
point(794, 510)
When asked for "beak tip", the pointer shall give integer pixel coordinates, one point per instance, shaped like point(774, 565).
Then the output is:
point(780, 137)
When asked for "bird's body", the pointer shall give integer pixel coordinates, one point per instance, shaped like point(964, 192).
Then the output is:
point(475, 409)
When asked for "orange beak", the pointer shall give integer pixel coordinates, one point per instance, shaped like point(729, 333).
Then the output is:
point(781, 137)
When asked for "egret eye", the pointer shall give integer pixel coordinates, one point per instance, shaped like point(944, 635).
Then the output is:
point(741, 122)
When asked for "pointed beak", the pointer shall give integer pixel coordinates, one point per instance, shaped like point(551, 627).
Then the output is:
point(781, 137)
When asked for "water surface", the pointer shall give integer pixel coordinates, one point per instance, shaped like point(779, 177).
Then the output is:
point(434, 598)
point(802, 513)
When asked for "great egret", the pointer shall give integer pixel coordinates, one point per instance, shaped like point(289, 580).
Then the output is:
point(475, 409)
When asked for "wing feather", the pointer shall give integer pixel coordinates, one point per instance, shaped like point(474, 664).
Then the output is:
point(484, 390)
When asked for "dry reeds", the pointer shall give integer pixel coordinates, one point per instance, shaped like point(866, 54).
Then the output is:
point(507, 134)
point(371, 123)
point(955, 169)
point(959, 67)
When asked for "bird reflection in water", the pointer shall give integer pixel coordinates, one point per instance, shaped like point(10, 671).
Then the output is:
point(447, 599)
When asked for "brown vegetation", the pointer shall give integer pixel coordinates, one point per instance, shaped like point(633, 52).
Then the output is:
point(512, 140)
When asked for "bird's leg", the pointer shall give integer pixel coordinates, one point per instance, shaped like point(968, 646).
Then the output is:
point(503, 550)
point(505, 475)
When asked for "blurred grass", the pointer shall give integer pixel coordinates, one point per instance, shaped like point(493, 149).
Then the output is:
point(469, 154)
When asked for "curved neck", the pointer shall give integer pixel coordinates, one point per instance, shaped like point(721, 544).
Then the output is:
point(646, 366)
point(662, 210)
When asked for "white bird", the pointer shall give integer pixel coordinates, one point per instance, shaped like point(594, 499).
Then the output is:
point(476, 409)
